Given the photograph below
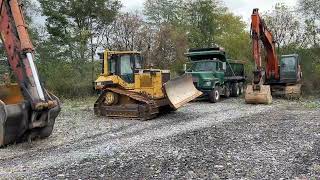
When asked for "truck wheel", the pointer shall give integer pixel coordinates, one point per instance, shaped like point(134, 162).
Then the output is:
point(235, 90)
point(241, 88)
point(214, 95)
point(227, 92)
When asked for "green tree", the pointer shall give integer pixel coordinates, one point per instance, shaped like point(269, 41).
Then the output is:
point(72, 23)
point(234, 36)
point(163, 11)
point(203, 18)
point(311, 8)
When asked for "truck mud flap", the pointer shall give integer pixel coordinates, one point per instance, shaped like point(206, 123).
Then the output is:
point(180, 91)
point(262, 96)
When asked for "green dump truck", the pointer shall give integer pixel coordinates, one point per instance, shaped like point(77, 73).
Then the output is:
point(214, 74)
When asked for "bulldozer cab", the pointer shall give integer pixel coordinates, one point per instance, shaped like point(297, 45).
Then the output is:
point(122, 64)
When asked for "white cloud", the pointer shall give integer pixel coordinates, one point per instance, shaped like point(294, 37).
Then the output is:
point(238, 7)
point(132, 5)
point(244, 7)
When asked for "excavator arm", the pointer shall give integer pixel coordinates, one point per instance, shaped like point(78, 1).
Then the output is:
point(257, 92)
point(259, 31)
point(34, 115)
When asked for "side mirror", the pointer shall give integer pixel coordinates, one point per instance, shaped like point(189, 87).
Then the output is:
point(224, 66)
point(184, 67)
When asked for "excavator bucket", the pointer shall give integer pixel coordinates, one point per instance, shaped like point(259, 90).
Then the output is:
point(180, 91)
point(15, 117)
point(262, 96)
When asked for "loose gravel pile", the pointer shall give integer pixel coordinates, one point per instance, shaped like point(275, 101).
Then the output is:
point(227, 140)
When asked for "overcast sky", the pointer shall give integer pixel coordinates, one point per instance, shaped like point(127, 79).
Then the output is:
point(238, 7)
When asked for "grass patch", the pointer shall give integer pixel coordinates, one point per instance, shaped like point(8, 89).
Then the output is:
point(312, 105)
point(79, 102)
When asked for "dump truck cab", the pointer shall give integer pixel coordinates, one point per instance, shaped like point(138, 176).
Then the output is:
point(207, 74)
point(214, 74)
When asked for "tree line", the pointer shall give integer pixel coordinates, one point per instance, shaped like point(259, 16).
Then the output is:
point(74, 30)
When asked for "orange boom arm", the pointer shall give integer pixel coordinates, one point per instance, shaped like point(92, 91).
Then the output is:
point(259, 31)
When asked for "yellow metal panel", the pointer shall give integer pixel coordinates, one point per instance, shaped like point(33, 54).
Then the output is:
point(105, 63)
point(146, 81)
point(10, 94)
point(150, 85)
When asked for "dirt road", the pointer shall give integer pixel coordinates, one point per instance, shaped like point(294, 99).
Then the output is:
point(228, 140)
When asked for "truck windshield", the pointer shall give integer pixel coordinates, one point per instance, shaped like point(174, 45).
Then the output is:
point(202, 66)
point(288, 64)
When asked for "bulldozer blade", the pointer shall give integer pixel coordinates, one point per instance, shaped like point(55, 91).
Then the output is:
point(262, 96)
point(18, 122)
point(180, 91)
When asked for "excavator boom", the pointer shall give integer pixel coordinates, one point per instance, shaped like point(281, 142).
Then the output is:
point(27, 109)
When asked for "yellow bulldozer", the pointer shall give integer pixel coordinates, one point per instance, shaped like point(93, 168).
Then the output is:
point(129, 91)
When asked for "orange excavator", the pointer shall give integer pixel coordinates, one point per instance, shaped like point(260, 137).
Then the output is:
point(282, 75)
point(27, 110)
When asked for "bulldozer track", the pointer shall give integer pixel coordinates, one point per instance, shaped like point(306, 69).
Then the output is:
point(143, 109)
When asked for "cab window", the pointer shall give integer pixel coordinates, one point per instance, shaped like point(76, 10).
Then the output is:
point(126, 68)
point(288, 64)
point(203, 66)
point(126, 65)
point(138, 62)
point(112, 65)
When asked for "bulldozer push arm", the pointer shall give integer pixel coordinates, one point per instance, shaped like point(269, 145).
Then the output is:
point(34, 113)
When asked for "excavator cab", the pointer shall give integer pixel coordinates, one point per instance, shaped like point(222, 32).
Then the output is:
point(289, 85)
point(290, 71)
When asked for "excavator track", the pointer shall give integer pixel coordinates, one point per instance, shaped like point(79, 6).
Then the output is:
point(129, 105)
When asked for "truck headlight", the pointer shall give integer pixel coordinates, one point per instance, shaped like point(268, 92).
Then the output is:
point(207, 83)
point(99, 84)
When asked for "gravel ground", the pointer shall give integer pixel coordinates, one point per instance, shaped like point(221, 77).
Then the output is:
point(227, 140)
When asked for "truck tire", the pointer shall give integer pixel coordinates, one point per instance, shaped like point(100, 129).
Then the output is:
point(227, 92)
point(214, 95)
point(235, 90)
point(241, 88)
